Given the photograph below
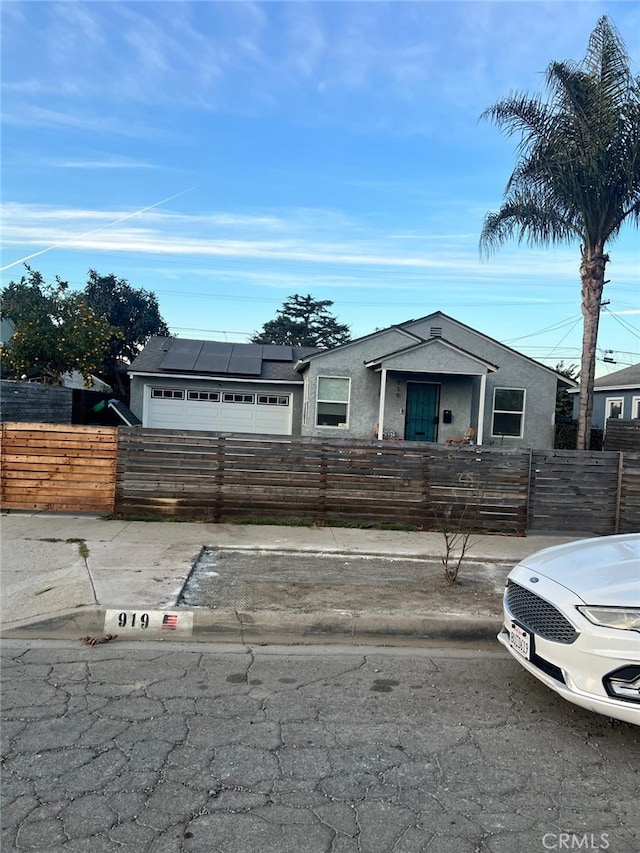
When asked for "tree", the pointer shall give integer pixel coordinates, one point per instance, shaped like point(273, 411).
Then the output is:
point(133, 314)
point(577, 176)
point(304, 322)
point(56, 332)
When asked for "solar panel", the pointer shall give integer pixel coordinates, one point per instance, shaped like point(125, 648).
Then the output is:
point(274, 352)
point(214, 357)
point(248, 350)
point(248, 366)
point(182, 355)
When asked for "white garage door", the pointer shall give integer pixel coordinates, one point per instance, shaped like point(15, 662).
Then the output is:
point(218, 411)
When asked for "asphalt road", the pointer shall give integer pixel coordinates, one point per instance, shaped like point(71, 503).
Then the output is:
point(169, 748)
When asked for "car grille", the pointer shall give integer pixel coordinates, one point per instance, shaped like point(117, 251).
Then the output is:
point(538, 615)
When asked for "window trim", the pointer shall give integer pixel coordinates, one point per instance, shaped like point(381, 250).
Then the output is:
point(203, 396)
point(167, 393)
point(273, 400)
point(521, 412)
point(234, 394)
point(346, 403)
point(635, 407)
point(607, 405)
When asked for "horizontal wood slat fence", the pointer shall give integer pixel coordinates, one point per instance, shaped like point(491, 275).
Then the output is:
point(58, 467)
point(622, 435)
point(188, 474)
point(222, 476)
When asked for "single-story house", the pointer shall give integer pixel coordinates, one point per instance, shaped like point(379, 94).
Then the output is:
point(432, 379)
point(614, 396)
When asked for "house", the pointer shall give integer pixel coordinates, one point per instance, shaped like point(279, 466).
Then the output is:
point(614, 396)
point(432, 379)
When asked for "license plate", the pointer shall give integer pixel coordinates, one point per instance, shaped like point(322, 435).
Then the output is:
point(520, 641)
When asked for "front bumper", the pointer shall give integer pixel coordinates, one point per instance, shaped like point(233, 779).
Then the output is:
point(579, 669)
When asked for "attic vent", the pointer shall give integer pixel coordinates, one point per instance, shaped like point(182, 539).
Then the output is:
point(436, 331)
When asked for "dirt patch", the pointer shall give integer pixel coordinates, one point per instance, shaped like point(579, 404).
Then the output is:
point(310, 582)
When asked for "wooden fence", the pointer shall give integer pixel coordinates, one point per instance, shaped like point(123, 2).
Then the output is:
point(187, 474)
point(58, 467)
point(622, 435)
point(199, 474)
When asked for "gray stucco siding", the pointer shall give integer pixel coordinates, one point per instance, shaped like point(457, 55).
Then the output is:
point(539, 405)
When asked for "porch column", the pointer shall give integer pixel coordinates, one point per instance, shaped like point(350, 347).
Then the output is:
point(383, 394)
point(483, 393)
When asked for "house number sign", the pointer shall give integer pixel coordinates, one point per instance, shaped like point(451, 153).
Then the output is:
point(165, 622)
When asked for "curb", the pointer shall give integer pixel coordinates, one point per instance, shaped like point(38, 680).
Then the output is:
point(264, 627)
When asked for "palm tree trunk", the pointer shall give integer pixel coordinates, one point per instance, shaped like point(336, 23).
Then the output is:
point(592, 275)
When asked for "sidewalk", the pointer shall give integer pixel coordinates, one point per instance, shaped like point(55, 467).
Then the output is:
point(62, 574)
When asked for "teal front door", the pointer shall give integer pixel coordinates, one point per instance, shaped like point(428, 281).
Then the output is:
point(421, 422)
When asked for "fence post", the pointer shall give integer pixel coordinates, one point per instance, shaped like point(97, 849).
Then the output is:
point(528, 507)
point(323, 482)
point(616, 523)
point(219, 479)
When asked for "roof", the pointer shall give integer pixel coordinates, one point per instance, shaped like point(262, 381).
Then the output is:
point(625, 378)
point(166, 356)
point(431, 342)
point(406, 329)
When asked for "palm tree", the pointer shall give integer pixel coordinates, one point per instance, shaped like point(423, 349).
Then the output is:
point(577, 176)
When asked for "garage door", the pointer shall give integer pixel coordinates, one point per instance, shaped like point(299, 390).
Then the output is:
point(218, 411)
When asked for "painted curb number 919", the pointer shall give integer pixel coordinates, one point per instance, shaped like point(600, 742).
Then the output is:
point(163, 621)
point(128, 620)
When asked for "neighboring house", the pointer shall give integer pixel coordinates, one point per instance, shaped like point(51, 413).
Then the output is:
point(614, 396)
point(424, 380)
point(222, 387)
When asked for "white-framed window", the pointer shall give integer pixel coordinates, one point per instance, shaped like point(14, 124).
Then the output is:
point(233, 397)
point(613, 407)
point(204, 396)
point(635, 407)
point(332, 401)
point(273, 400)
point(167, 393)
point(508, 412)
point(305, 402)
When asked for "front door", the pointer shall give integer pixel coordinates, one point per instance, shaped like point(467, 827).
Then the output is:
point(421, 422)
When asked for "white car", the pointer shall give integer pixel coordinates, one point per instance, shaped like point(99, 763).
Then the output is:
point(572, 619)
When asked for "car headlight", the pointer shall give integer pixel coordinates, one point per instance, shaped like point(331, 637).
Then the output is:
point(625, 618)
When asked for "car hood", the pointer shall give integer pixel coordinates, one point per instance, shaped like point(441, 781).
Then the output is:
point(603, 571)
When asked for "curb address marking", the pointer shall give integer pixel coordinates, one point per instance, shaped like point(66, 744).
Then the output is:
point(156, 621)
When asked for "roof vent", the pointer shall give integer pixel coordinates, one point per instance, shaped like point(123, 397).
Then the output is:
point(436, 331)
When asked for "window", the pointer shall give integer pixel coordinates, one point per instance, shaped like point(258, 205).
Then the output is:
point(273, 400)
point(167, 393)
point(332, 408)
point(508, 412)
point(635, 407)
point(613, 407)
point(231, 397)
point(204, 396)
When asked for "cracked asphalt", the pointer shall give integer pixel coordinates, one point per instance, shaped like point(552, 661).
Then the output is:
point(171, 748)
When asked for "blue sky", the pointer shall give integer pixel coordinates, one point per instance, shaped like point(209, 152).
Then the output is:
point(226, 155)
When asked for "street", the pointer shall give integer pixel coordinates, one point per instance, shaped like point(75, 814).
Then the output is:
point(178, 748)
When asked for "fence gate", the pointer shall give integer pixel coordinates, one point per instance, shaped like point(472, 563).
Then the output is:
point(58, 467)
